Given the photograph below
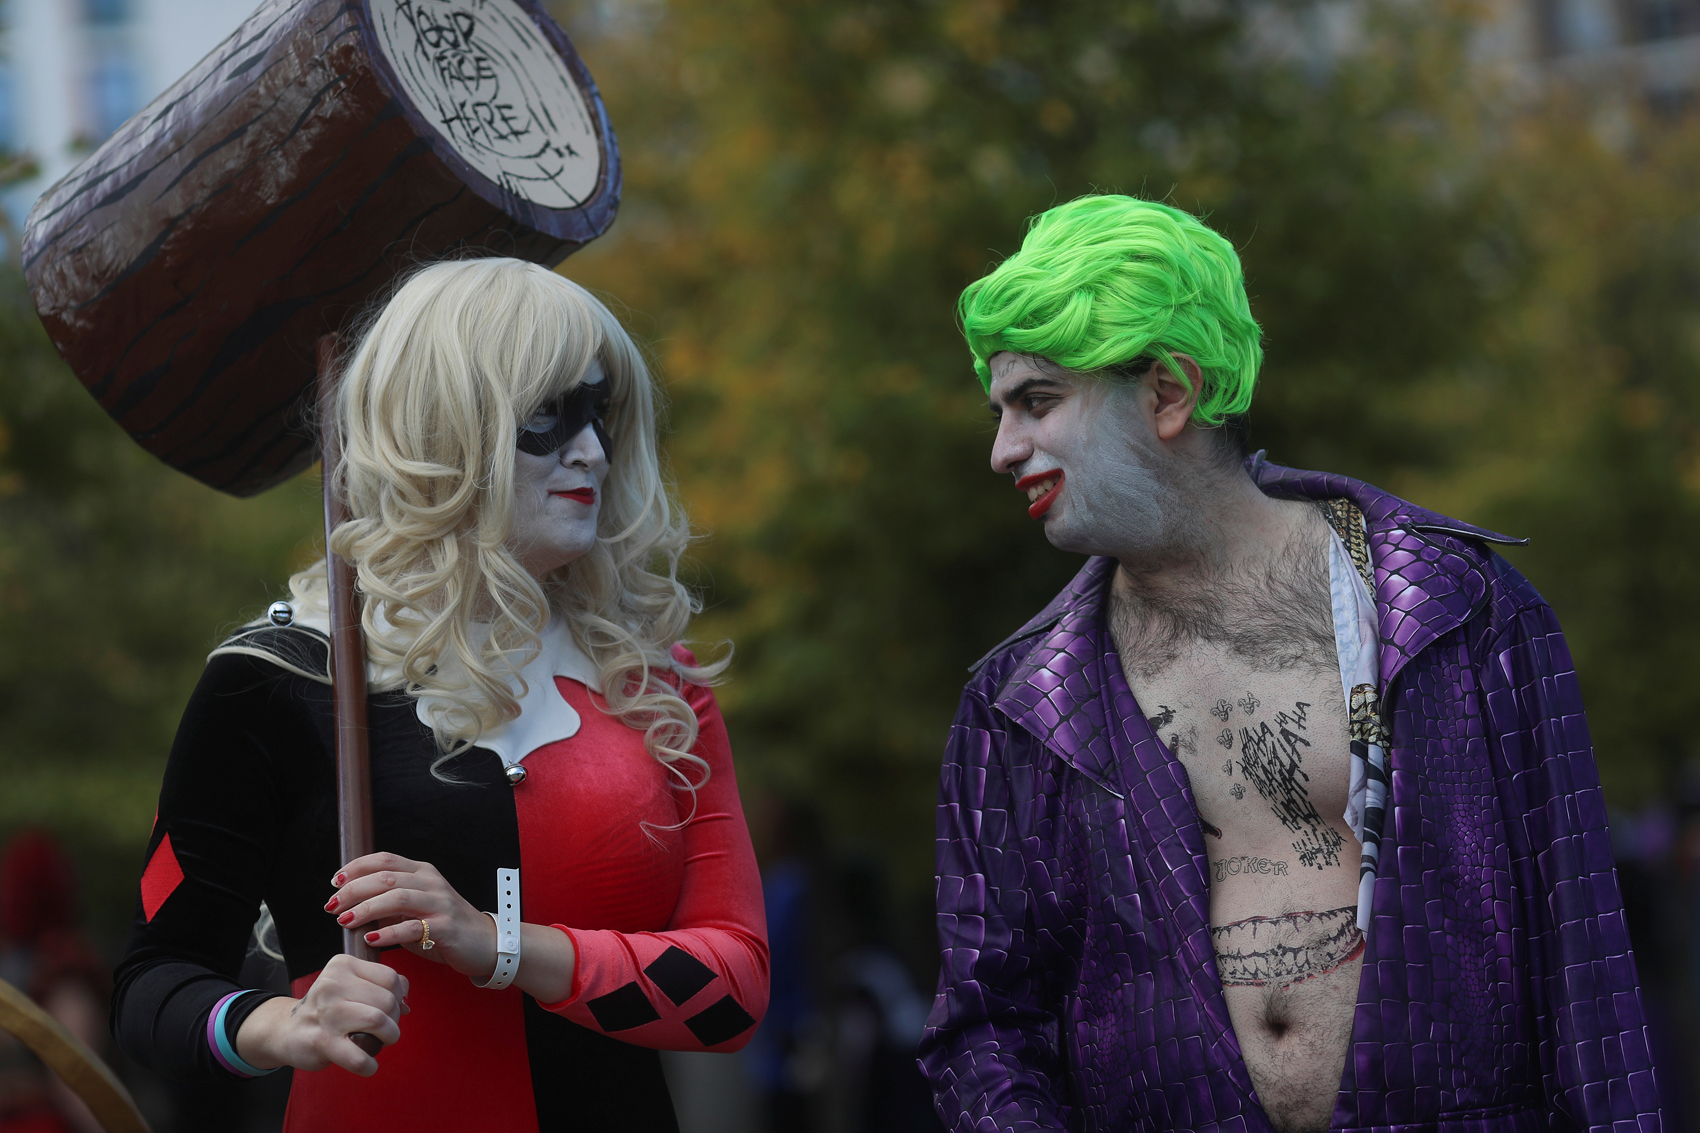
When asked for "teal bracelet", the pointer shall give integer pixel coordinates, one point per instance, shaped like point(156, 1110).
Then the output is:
point(222, 1048)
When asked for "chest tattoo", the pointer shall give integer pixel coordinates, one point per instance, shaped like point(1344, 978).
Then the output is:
point(1245, 863)
point(1272, 761)
point(1277, 951)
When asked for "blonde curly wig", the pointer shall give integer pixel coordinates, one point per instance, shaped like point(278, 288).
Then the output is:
point(428, 408)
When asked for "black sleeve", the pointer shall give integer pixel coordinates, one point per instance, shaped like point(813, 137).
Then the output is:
point(223, 809)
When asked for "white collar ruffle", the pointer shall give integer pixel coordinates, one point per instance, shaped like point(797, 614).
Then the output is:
point(544, 714)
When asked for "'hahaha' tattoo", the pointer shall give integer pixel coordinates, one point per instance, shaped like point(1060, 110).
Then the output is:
point(1271, 760)
point(1245, 863)
point(1265, 951)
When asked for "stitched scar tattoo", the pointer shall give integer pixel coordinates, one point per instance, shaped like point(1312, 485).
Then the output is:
point(1271, 759)
point(1278, 951)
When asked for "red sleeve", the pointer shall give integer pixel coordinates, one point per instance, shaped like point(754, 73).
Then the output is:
point(704, 977)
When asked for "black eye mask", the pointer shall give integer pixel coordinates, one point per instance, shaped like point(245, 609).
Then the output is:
point(560, 421)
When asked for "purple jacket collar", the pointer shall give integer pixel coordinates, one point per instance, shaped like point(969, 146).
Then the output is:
point(1429, 580)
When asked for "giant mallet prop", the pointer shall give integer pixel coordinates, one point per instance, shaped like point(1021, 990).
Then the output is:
point(192, 268)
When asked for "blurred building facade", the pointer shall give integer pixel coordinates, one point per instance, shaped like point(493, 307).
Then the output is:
point(1655, 43)
point(71, 71)
point(1640, 48)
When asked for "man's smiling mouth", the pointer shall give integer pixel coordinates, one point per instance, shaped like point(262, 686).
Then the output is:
point(1042, 489)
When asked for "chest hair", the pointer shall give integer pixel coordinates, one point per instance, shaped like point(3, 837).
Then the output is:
point(1271, 615)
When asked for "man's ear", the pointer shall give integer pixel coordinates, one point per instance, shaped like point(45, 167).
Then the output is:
point(1176, 399)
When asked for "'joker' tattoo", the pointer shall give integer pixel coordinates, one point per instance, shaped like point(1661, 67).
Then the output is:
point(1233, 867)
point(1223, 710)
point(1270, 759)
point(1165, 716)
point(1265, 951)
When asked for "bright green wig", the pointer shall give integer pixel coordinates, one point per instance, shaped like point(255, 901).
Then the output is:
point(1107, 280)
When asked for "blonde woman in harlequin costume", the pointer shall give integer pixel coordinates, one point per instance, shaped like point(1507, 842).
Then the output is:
point(537, 732)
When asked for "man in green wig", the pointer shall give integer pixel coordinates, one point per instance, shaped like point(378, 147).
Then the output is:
point(1284, 814)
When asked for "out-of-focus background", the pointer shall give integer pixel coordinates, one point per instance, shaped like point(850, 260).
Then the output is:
point(1470, 232)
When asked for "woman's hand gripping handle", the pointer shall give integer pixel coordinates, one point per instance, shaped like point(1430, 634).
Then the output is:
point(350, 998)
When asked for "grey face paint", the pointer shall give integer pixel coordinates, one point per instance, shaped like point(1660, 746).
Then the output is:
point(1115, 500)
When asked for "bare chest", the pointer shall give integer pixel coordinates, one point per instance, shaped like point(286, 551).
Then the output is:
point(1269, 759)
point(1268, 754)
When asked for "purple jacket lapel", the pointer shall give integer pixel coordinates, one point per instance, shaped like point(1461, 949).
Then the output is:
point(1070, 693)
point(1425, 588)
point(1057, 691)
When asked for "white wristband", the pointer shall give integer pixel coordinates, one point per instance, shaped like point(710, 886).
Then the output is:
point(507, 930)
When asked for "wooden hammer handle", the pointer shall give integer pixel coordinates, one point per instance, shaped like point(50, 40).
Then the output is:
point(348, 668)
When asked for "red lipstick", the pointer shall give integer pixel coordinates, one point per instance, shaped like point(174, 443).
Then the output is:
point(585, 496)
point(1043, 504)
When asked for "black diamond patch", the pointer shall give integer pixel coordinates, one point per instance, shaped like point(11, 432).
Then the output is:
point(623, 1008)
point(725, 1020)
point(679, 974)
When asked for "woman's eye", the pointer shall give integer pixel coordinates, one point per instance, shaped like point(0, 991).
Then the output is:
point(542, 422)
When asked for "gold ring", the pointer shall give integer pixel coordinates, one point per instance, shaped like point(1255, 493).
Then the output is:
point(425, 941)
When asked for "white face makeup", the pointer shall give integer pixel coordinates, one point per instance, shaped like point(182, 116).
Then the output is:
point(1083, 451)
point(557, 499)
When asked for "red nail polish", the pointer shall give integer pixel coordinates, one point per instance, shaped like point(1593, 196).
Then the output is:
point(330, 906)
point(340, 879)
point(346, 918)
point(371, 938)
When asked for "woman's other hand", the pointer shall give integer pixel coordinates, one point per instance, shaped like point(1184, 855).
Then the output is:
point(312, 1033)
point(393, 898)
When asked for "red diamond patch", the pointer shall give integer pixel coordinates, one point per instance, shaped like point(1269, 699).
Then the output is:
point(161, 878)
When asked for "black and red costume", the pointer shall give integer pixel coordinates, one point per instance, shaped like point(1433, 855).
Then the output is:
point(666, 919)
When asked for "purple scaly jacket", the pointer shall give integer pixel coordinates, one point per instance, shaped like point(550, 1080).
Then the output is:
point(1079, 988)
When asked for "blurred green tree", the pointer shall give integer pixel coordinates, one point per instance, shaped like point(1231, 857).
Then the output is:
point(811, 184)
point(117, 575)
point(1474, 302)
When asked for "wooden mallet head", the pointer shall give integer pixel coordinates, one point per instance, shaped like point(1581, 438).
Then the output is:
point(187, 267)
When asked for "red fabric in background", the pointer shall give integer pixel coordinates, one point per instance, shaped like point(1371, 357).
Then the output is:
point(38, 888)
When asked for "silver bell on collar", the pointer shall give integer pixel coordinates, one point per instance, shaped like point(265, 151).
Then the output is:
point(515, 774)
point(280, 614)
